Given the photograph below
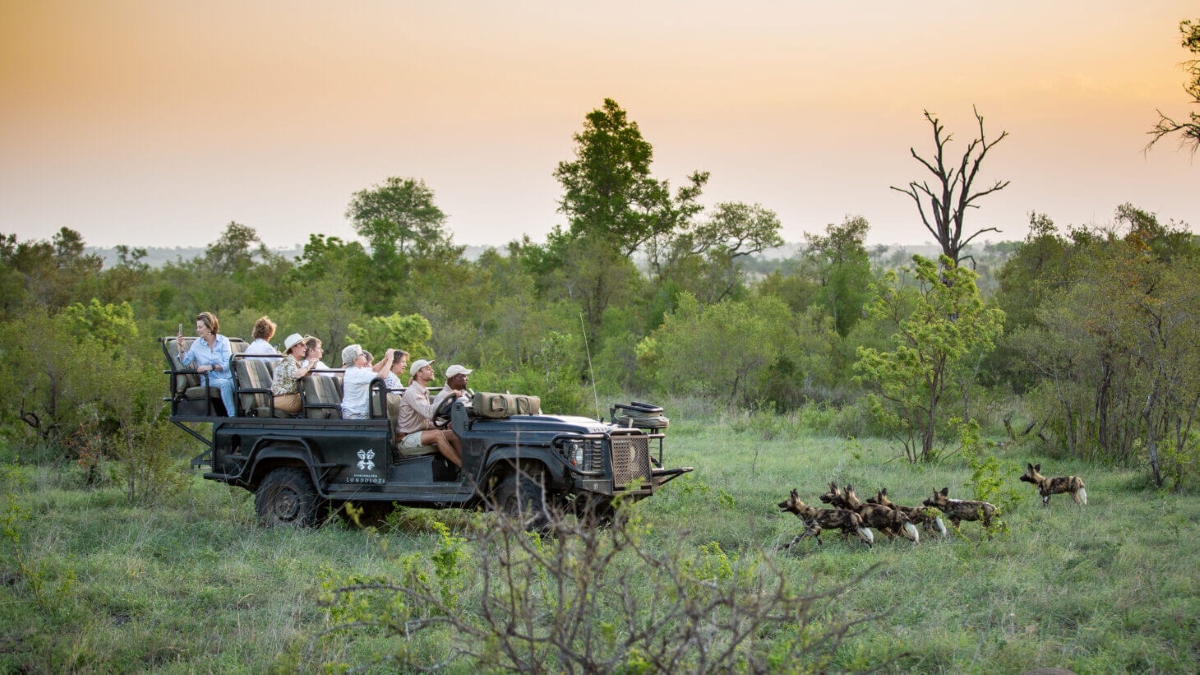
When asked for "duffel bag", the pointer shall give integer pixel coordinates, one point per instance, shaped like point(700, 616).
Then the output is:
point(494, 406)
point(529, 405)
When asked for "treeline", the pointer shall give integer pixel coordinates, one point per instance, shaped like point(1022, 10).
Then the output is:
point(1093, 329)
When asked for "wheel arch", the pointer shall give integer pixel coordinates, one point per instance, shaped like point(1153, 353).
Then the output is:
point(271, 454)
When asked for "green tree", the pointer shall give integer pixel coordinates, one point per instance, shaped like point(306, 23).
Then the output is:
point(403, 226)
point(1189, 132)
point(930, 350)
point(843, 270)
point(723, 350)
point(951, 194)
point(49, 275)
point(707, 259)
point(409, 333)
point(398, 216)
point(608, 192)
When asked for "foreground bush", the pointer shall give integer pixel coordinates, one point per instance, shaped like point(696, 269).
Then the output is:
point(581, 599)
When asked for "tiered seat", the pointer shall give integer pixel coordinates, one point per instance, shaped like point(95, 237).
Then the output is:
point(188, 394)
point(252, 385)
point(321, 396)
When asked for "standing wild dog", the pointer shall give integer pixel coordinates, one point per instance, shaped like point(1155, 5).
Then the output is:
point(815, 519)
point(917, 516)
point(958, 510)
point(1056, 485)
point(886, 520)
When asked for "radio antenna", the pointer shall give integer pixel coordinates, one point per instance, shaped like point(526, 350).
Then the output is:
point(591, 374)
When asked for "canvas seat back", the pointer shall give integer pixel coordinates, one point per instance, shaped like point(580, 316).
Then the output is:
point(322, 396)
point(252, 385)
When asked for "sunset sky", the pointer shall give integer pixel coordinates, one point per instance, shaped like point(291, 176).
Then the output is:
point(156, 122)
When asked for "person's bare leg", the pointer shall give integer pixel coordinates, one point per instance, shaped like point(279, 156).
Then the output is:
point(454, 441)
point(443, 446)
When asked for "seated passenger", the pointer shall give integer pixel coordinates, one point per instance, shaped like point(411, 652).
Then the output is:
point(211, 353)
point(416, 433)
point(393, 384)
point(356, 384)
point(264, 330)
point(456, 384)
point(315, 352)
point(399, 364)
point(295, 364)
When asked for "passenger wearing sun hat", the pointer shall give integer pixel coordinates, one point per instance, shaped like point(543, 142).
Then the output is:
point(356, 383)
point(416, 433)
point(295, 365)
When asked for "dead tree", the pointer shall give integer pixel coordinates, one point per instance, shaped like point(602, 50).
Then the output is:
point(951, 195)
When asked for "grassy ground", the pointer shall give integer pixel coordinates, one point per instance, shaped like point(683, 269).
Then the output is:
point(94, 584)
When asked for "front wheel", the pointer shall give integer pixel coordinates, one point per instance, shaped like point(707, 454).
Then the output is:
point(286, 498)
point(520, 497)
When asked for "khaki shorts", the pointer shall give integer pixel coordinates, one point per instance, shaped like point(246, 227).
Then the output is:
point(410, 445)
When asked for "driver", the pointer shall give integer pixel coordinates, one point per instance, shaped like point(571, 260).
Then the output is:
point(456, 385)
point(416, 433)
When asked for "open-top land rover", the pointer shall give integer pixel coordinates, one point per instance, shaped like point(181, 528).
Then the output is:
point(515, 458)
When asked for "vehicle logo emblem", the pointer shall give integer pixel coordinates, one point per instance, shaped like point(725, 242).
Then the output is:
point(364, 460)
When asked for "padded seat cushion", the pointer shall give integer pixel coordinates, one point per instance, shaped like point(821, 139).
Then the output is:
point(322, 397)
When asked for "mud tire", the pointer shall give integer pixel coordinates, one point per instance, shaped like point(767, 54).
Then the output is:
point(286, 498)
point(520, 497)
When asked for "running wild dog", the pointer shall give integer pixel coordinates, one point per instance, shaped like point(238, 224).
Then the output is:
point(1056, 485)
point(917, 516)
point(815, 519)
point(886, 520)
point(958, 510)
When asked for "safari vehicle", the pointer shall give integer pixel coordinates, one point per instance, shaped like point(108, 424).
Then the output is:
point(515, 458)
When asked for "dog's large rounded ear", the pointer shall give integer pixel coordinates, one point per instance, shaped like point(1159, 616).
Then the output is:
point(945, 491)
point(1030, 466)
point(849, 487)
point(1038, 467)
point(883, 492)
point(794, 493)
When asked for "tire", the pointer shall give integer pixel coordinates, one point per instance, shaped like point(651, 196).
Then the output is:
point(600, 512)
point(286, 498)
point(521, 498)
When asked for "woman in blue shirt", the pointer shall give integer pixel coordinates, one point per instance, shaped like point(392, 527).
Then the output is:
point(211, 354)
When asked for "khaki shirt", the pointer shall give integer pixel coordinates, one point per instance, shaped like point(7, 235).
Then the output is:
point(416, 412)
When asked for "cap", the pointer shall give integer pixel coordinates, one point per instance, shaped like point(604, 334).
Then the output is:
point(350, 353)
point(291, 341)
point(417, 365)
point(457, 370)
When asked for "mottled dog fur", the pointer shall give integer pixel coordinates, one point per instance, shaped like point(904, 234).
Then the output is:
point(816, 519)
point(1054, 486)
point(918, 516)
point(882, 518)
point(958, 510)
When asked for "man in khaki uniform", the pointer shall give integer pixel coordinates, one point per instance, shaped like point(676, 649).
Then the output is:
point(416, 434)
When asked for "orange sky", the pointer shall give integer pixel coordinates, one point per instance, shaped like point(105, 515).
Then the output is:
point(155, 122)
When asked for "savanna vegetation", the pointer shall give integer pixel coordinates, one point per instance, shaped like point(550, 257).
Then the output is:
point(1077, 348)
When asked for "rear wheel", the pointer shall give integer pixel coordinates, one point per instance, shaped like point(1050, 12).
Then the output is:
point(520, 497)
point(286, 498)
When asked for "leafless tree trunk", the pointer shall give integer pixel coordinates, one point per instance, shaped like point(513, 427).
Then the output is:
point(951, 195)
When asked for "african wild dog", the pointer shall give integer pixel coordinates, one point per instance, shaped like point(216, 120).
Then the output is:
point(1056, 485)
point(886, 520)
point(917, 516)
point(958, 510)
point(814, 519)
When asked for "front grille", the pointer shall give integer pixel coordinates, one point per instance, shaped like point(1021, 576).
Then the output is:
point(630, 460)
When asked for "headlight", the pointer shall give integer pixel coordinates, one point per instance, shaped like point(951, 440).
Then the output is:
point(575, 453)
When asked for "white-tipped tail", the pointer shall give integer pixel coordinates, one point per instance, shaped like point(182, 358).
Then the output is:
point(941, 527)
point(867, 534)
point(1083, 496)
point(912, 532)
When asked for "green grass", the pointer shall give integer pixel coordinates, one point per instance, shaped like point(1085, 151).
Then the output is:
point(193, 584)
